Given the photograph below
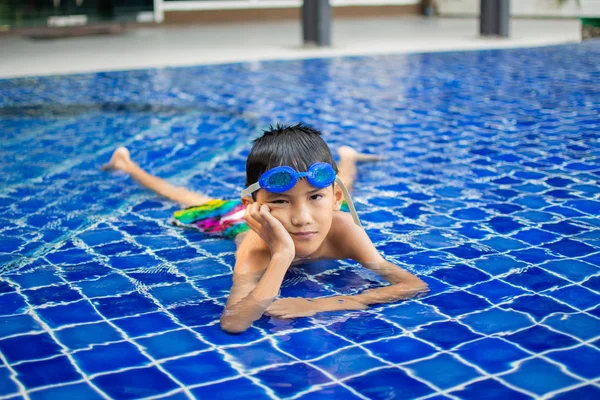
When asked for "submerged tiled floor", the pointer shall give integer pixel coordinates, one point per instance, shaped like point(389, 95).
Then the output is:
point(490, 194)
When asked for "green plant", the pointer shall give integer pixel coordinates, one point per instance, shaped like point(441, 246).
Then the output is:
point(562, 2)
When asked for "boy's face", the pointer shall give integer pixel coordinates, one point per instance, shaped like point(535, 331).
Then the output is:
point(306, 213)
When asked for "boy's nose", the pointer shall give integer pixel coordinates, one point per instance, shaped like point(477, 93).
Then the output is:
point(301, 217)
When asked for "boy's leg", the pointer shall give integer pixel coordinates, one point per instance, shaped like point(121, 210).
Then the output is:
point(347, 164)
point(121, 161)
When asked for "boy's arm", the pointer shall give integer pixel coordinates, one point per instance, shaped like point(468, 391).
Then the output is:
point(358, 247)
point(254, 285)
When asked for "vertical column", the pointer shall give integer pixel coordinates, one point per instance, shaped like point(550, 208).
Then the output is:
point(494, 18)
point(316, 22)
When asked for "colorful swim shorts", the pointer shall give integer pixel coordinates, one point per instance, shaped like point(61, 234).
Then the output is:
point(219, 217)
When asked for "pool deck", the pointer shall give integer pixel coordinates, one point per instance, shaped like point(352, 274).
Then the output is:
point(165, 46)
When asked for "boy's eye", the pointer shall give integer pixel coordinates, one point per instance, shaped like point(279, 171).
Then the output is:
point(278, 201)
point(316, 196)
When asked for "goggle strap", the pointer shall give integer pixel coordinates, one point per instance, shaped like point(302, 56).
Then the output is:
point(250, 189)
point(349, 201)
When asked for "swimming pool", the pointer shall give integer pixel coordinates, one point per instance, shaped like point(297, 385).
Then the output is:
point(490, 194)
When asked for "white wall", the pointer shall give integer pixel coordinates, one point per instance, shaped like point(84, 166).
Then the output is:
point(524, 8)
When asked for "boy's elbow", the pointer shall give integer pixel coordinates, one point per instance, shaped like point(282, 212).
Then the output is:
point(230, 325)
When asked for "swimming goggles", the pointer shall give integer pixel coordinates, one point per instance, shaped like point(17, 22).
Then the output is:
point(283, 178)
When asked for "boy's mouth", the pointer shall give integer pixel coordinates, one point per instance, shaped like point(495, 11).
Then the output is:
point(304, 235)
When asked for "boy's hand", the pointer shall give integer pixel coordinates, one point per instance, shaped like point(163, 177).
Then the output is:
point(260, 220)
point(294, 307)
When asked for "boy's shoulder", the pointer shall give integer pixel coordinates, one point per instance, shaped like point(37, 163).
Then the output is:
point(345, 238)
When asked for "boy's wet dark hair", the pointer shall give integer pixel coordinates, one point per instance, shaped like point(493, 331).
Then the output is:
point(298, 146)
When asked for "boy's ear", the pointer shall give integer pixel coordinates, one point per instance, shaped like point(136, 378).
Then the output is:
point(338, 197)
point(247, 200)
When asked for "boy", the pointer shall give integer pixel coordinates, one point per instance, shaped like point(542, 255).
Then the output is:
point(289, 213)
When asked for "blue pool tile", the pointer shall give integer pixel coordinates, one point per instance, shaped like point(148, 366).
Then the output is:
point(588, 392)
point(504, 208)
point(348, 362)
point(299, 377)
point(460, 275)
point(576, 296)
point(15, 324)
point(534, 202)
point(124, 305)
point(177, 294)
point(7, 385)
point(539, 339)
point(135, 383)
point(496, 320)
point(154, 276)
point(496, 290)
point(574, 270)
point(71, 256)
point(594, 259)
point(111, 357)
point(470, 214)
point(201, 313)
point(534, 279)
point(201, 368)
point(39, 277)
point(581, 325)
point(330, 392)
point(29, 347)
point(564, 228)
point(500, 264)
point(582, 361)
point(88, 270)
point(491, 389)
point(134, 261)
point(444, 371)
point(147, 323)
point(312, 343)
point(108, 285)
point(258, 355)
point(5, 287)
point(571, 248)
point(51, 294)
point(457, 303)
point(532, 256)
point(74, 391)
point(364, 327)
point(171, 344)
point(400, 350)
point(410, 315)
point(539, 377)
point(472, 230)
point(201, 268)
point(538, 307)
point(469, 251)
point(504, 225)
point(387, 382)
point(491, 354)
point(81, 336)
point(535, 236)
point(446, 335)
point(503, 244)
point(243, 388)
point(593, 283)
point(100, 236)
point(77, 312)
point(41, 373)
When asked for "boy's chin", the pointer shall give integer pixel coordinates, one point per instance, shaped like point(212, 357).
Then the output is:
point(307, 249)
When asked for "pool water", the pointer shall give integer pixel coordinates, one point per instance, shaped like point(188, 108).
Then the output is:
point(490, 194)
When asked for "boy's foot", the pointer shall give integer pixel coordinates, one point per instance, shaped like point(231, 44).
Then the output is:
point(348, 152)
point(120, 160)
